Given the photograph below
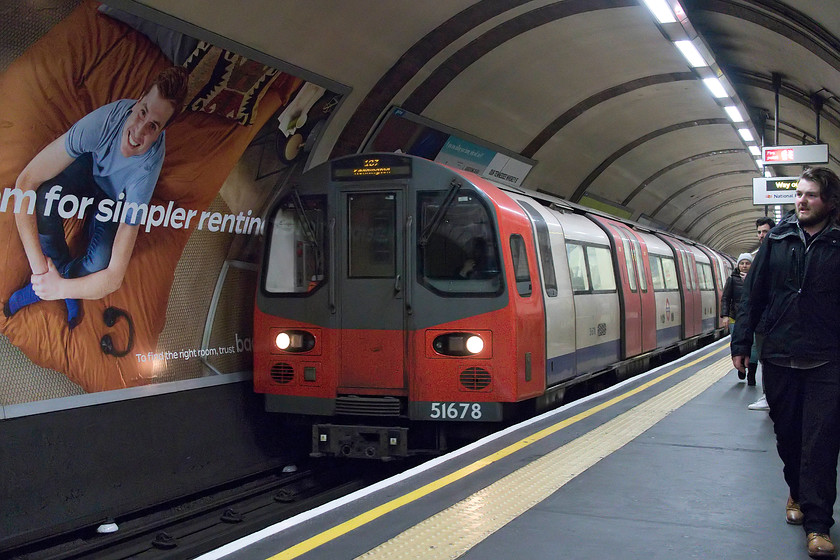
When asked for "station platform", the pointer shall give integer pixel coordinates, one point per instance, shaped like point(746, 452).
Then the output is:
point(669, 464)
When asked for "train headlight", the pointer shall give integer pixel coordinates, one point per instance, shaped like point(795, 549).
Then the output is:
point(295, 341)
point(458, 344)
point(475, 345)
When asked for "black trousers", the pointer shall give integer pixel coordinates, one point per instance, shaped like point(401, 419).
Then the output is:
point(805, 409)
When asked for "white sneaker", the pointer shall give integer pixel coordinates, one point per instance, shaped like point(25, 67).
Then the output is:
point(760, 404)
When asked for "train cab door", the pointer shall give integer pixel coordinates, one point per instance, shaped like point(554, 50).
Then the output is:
point(370, 262)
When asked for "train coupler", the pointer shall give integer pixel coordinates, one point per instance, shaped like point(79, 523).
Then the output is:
point(359, 442)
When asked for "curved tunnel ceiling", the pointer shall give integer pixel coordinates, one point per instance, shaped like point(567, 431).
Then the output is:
point(593, 90)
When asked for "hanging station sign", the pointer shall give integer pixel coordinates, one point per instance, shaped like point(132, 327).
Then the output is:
point(774, 190)
point(788, 155)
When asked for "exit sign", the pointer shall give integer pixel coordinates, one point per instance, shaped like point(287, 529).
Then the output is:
point(784, 155)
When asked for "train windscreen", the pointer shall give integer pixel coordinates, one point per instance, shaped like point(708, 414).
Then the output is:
point(296, 248)
point(460, 254)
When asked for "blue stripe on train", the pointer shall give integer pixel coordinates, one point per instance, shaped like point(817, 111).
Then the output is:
point(596, 357)
point(591, 358)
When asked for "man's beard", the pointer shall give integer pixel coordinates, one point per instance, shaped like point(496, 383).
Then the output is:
point(814, 219)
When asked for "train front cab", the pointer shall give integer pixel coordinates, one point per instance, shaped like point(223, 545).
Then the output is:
point(362, 273)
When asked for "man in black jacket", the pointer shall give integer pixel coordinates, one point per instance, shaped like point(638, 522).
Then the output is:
point(792, 298)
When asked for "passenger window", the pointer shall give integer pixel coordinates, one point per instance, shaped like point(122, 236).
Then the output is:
point(628, 262)
point(669, 272)
point(520, 265)
point(637, 255)
point(656, 272)
point(577, 267)
point(600, 268)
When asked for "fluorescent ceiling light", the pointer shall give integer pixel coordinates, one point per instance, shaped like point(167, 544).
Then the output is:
point(734, 113)
point(755, 150)
point(691, 54)
point(660, 10)
point(715, 87)
point(759, 163)
point(746, 134)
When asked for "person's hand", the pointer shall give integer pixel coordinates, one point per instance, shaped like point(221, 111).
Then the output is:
point(48, 285)
point(469, 266)
point(741, 363)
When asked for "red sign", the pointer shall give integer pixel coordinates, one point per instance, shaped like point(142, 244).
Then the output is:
point(778, 154)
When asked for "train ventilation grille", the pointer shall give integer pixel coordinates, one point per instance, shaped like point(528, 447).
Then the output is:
point(282, 373)
point(475, 379)
point(368, 406)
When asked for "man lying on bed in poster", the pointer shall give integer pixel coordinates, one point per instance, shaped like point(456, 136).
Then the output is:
point(113, 154)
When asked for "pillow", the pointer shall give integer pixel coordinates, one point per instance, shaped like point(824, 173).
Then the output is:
point(175, 46)
point(225, 83)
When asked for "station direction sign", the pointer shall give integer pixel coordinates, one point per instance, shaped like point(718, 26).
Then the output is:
point(774, 190)
point(788, 155)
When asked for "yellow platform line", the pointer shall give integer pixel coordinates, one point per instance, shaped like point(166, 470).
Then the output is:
point(454, 531)
point(720, 368)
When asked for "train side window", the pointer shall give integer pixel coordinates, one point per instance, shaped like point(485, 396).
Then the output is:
point(656, 272)
point(544, 244)
point(296, 249)
point(637, 255)
point(706, 277)
point(600, 269)
point(669, 273)
point(628, 262)
point(577, 267)
point(520, 265)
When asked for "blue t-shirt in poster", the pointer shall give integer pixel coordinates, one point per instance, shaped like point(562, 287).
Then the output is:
point(99, 134)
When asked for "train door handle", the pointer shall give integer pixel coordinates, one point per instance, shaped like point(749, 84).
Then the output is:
point(398, 283)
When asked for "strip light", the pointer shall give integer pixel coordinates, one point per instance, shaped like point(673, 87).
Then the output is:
point(660, 10)
point(691, 54)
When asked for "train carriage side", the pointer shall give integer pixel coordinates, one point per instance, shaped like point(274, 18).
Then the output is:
point(706, 284)
point(557, 290)
point(687, 276)
point(595, 293)
point(716, 263)
point(636, 300)
point(666, 289)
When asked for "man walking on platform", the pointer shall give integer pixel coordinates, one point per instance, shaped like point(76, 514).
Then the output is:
point(762, 228)
point(792, 298)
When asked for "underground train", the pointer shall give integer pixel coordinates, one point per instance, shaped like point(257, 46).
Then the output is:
point(403, 303)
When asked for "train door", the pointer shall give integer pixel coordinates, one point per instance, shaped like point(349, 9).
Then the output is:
point(370, 261)
point(639, 255)
point(628, 294)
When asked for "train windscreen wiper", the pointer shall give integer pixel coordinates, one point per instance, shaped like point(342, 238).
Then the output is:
point(433, 224)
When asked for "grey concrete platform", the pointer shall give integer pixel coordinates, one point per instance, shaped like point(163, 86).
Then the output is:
point(703, 482)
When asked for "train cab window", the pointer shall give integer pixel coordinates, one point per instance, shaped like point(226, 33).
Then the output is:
point(601, 270)
point(520, 265)
point(577, 267)
point(458, 252)
point(296, 249)
point(371, 235)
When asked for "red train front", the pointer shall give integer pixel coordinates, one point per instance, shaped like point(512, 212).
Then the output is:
point(396, 292)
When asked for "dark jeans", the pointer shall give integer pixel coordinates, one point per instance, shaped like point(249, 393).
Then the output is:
point(805, 409)
point(76, 180)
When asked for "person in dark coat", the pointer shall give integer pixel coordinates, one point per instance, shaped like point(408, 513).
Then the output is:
point(731, 297)
point(792, 297)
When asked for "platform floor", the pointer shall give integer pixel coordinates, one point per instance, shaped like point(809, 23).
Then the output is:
point(668, 465)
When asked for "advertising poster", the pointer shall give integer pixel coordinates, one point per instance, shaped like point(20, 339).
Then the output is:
point(132, 230)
